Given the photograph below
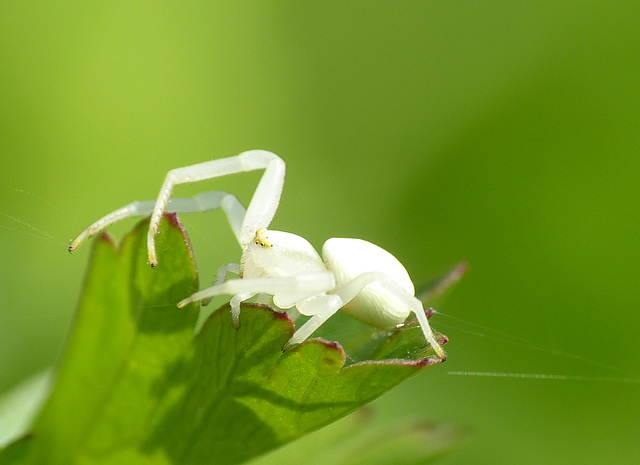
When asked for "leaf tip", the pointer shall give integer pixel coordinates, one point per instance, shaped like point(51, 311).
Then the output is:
point(278, 315)
point(106, 238)
point(330, 345)
point(332, 356)
point(173, 221)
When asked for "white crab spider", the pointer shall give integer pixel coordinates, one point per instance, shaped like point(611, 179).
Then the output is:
point(356, 276)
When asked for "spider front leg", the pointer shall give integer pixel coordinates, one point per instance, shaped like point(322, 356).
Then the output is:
point(206, 201)
point(286, 291)
point(263, 204)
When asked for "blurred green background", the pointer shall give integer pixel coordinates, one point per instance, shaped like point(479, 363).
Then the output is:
point(504, 134)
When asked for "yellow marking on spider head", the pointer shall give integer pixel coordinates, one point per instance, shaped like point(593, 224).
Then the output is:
point(261, 238)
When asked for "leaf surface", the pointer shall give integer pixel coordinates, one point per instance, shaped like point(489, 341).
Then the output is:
point(135, 385)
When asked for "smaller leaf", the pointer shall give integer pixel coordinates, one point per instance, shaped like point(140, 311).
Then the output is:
point(439, 284)
point(358, 440)
point(20, 405)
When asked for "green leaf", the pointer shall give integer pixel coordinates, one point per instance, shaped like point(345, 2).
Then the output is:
point(20, 405)
point(359, 440)
point(135, 385)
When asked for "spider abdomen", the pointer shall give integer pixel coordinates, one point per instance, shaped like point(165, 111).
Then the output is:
point(375, 304)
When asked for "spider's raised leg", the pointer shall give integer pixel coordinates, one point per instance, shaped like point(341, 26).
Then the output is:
point(200, 203)
point(349, 291)
point(263, 204)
